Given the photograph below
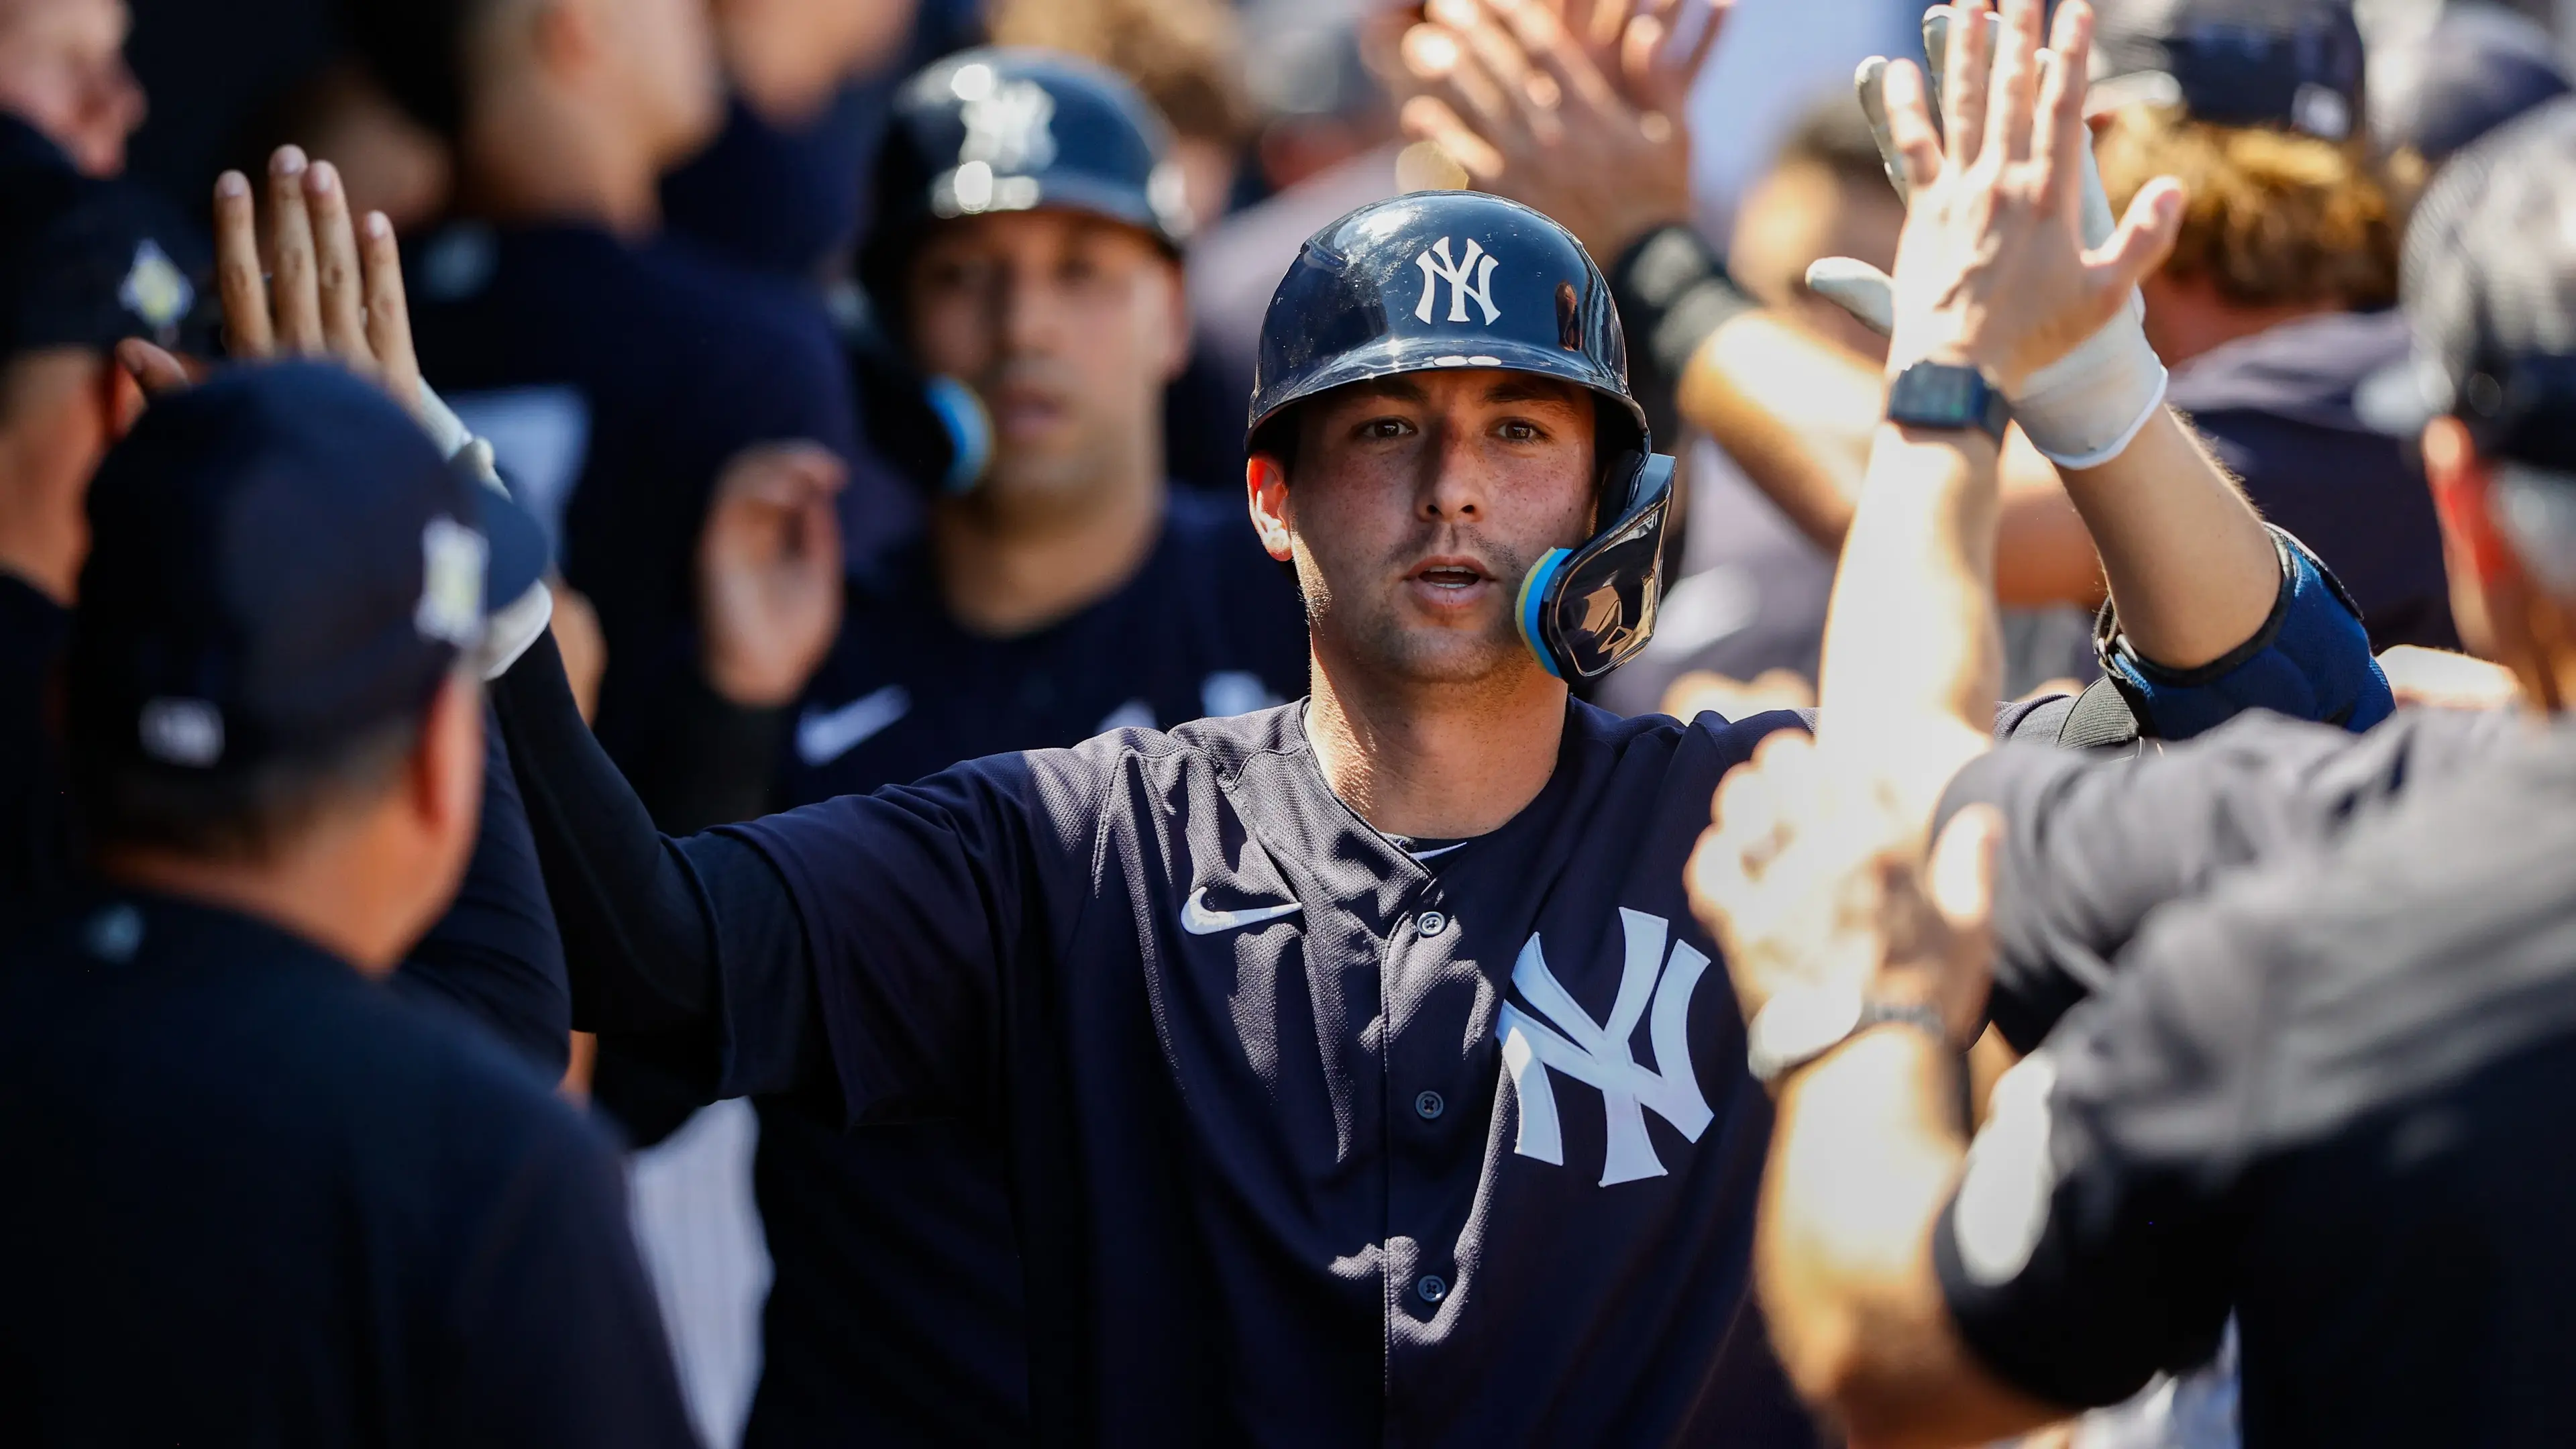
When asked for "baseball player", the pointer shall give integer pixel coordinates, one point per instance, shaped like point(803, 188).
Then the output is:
point(1362, 1074)
point(1066, 587)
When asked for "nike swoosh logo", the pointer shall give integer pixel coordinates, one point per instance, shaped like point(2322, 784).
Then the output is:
point(1198, 920)
point(825, 735)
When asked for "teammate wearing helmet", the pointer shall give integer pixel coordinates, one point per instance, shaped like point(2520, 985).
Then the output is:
point(1361, 1073)
point(1064, 587)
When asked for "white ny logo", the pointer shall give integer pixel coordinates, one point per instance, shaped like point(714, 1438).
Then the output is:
point(1598, 1053)
point(1010, 127)
point(1455, 274)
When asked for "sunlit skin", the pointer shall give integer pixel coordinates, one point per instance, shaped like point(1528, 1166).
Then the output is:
point(1069, 327)
point(1418, 505)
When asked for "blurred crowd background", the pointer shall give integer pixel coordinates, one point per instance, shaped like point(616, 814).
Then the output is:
point(716, 156)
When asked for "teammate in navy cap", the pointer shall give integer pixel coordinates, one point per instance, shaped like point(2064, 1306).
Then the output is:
point(301, 1209)
point(1360, 1070)
point(1066, 588)
point(2317, 1052)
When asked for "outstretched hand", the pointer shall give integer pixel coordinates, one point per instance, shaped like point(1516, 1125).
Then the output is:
point(1812, 880)
point(299, 279)
point(769, 572)
point(1992, 269)
point(1573, 107)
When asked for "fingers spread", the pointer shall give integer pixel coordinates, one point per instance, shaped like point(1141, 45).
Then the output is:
point(2143, 239)
point(337, 275)
point(2062, 144)
point(2015, 81)
point(1963, 83)
point(1869, 82)
point(1560, 58)
point(294, 293)
point(1909, 125)
point(237, 269)
point(388, 311)
point(1427, 118)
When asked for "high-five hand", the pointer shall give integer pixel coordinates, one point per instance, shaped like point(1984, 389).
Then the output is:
point(1992, 269)
point(298, 279)
point(1575, 111)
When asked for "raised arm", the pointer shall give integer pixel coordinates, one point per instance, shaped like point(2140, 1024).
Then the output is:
point(1811, 876)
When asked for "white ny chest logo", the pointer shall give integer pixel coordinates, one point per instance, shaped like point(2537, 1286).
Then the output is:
point(1597, 1054)
point(1437, 268)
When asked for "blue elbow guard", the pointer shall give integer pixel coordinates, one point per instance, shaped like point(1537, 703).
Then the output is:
point(2310, 660)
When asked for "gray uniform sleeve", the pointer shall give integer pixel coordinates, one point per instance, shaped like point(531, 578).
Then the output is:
point(2094, 843)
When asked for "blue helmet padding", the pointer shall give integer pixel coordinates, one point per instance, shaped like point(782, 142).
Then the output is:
point(1532, 606)
point(2310, 660)
point(970, 431)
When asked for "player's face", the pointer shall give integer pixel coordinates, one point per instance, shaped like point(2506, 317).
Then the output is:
point(1420, 503)
point(1068, 327)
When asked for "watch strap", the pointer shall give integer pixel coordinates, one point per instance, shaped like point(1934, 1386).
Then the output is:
point(1931, 394)
point(1875, 1011)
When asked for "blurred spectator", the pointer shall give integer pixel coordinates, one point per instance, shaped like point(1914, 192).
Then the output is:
point(1778, 57)
point(616, 373)
point(2271, 309)
point(389, 162)
point(62, 71)
point(784, 186)
point(2476, 68)
point(1826, 195)
point(1186, 56)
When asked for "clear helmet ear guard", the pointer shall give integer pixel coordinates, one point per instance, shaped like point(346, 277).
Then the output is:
point(1585, 611)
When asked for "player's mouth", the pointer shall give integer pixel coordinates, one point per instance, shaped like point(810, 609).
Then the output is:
point(1449, 582)
point(1019, 410)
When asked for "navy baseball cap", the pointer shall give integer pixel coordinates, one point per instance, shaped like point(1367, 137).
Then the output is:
point(280, 562)
point(2488, 283)
point(2478, 68)
point(2294, 64)
point(88, 263)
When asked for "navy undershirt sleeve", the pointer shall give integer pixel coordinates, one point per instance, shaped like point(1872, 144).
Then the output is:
point(495, 955)
point(693, 947)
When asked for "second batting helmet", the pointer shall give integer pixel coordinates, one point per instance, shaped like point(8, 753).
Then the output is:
point(1459, 279)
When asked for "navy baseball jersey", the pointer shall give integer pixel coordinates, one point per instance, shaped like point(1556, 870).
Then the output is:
point(898, 1316)
point(1312, 1142)
point(257, 1198)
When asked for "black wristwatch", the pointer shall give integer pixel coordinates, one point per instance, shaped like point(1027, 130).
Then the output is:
point(1947, 395)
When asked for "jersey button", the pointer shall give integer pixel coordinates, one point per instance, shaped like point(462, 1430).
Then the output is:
point(1431, 923)
point(1428, 1106)
point(1430, 1289)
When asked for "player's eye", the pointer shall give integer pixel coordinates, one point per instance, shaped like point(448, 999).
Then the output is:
point(1519, 430)
point(1385, 428)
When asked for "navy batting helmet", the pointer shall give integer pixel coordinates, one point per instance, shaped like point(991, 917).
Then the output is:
point(1442, 279)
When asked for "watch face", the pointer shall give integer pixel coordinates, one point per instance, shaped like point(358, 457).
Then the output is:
point(1937, 395)
point(1797, 1024)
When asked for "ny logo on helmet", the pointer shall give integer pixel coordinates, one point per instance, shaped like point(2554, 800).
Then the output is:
point(1009, 127)
point(1437, 268)
point(1597, 1053)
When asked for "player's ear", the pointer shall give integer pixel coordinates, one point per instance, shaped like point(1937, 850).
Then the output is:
point(2462, 488)
point(1265, 488)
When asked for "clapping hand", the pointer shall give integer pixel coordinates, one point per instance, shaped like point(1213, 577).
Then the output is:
point(299, 279)
point(1811, 879)
point(1573, 107)
point(769, 572)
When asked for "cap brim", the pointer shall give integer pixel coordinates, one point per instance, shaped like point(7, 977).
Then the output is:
point(518, 553)
point(1393, 356)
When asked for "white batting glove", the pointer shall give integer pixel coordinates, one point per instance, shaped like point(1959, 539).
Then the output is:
point(2079, 411)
